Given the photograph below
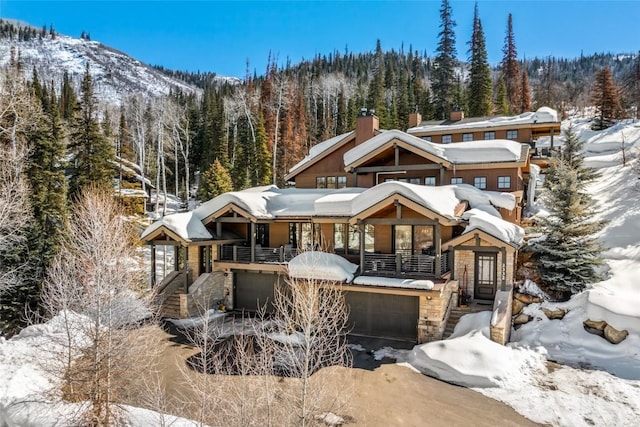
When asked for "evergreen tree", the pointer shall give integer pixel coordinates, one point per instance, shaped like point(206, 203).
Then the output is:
point(444, 74)
point(526, 93)
point(511, 70)
point(68, 98)
point(631, 85)
point(214, 181)
point(376, 99)
point(501, 103)
point(93, 154)
point(569, 254)
point(605, 96)
point(480, 84)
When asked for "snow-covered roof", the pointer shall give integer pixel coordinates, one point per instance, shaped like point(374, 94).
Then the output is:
point(270, 202)
point(321, 148)
point(542, 115)
point(470, 152)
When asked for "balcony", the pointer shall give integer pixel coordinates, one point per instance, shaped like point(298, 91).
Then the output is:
point(405, 265)
point(401, 264)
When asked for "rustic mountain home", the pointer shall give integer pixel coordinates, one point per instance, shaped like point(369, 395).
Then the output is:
point(414, 225)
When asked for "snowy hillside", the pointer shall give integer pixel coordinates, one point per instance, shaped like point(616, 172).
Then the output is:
point(116, 74)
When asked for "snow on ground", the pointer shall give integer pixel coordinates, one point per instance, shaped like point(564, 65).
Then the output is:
point(28, 389)
point(598, 383)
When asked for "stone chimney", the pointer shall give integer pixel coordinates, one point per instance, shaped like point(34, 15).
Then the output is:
point(367, 124)
point(456, 116)
point(415, 119)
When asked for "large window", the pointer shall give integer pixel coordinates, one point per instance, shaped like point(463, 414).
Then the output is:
point(456, 180)
point(446, 139)
point(512, 134)
point(504, 182)
point(430, 180)
point(331, 182)
point(490, 135)
point(414, 180)
point(426, 138)
point(413, 239)
point(467, 137)
point(305, 235)
point(351, 235)
point(321, 182)
point(342, 181)
point(480, 182)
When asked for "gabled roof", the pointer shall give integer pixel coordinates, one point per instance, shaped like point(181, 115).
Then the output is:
point(542, 115)
point(272, 203)
point(319, 151)
point(470, 152)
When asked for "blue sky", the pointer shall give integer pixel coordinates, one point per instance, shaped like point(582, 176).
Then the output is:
point(220, 36)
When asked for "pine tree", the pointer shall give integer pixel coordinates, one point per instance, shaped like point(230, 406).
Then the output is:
point(444, 74)
point(631, 85)
point(501, 103)
point(526, 92)
point(376, 99)
point(569, 254)
point(480, 84)
point(93, 154)
point(68, 98)
point(605, 96)
point(214, 181)
point(511, 69)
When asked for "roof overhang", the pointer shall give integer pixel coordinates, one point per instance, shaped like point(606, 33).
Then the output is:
point(478, 233)
point(401, 144)
point(228, 208)
point(292, 174)
point(394, 198)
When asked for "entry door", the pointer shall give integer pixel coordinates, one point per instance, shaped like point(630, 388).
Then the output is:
point(486, 276)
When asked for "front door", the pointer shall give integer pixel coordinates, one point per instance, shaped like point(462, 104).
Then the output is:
point(486, 276)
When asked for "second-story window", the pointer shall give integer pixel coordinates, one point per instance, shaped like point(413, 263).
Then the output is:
point(490, 135)
point(467, 137)
point(456, 180)
point(426, 138)
point(321, 182)
point(504, 182)
point(430, 180)
point(480, 182)
point(331, 182)
point(446, 139)
point(512, 134)
point(342, 181)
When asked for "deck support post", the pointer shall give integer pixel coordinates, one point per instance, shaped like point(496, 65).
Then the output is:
point(186, 270)
point(153, 266)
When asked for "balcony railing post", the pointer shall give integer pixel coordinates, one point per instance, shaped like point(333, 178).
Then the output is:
point(398, 262)
point(234, 254)
point(281, 253)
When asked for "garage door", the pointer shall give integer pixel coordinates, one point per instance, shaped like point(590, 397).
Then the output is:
point(382, 315)
point(253, 290)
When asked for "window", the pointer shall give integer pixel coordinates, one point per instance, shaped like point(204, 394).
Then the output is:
point(490, 135)
point(402, 180)
point(342, 181)
point(339, 237)
point(354, 238)
point(321, 182)
point(430, 180)
point(413, 239)
point(331, 182)
point(504, 182)
point(414, 180)
point(512, 134)
point(456, 180)
point(262, 234)
point(446, 139)
point(303, 235)
point(480, 182)
point(426, 138)
point(467, 137)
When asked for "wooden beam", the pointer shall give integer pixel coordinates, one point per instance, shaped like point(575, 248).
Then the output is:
point(401, 221)
point(396, 151)
point(442, 175)
point(425, 166)
point(153, 266)
point(163, 242)
point(436, 238)
point(478, 248)
point(253, 241)
point(236, 219)
point(362, 236)
point(186, 270)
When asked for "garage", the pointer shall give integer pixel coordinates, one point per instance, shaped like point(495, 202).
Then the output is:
point(252, 290)
point(383, 315)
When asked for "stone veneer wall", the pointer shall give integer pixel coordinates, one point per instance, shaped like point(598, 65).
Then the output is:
point(467, 258)
point(434, 312)
point(500, 328)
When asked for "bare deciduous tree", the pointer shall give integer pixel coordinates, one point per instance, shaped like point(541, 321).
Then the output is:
point(92, 277)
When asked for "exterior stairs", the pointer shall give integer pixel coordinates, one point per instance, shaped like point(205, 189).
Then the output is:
point(458, 312)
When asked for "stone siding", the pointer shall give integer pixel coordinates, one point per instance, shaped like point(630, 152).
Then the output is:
point(500, 329)
point(434, 312)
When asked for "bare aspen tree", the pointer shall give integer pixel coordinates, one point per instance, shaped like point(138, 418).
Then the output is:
point(178, 122)
point(92, 277)
point(136, 113)
point(14, 207)
point(313, 316)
